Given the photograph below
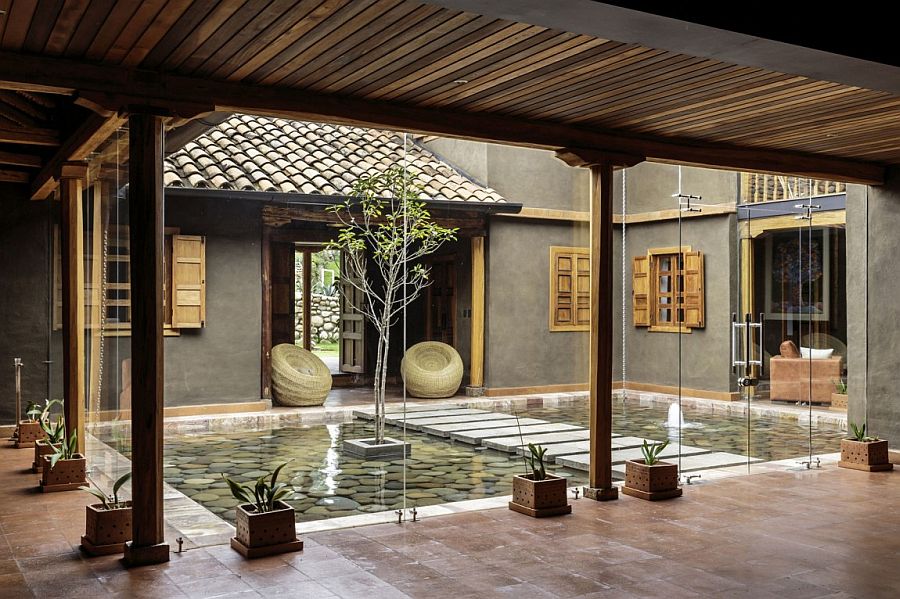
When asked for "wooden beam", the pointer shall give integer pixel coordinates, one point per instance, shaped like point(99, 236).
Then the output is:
point(146, 229)
point(601, 337)
point(92, 132)
point(31, 136)
point(17, 159)
point(577, 216)
point(72, 177)
point(8, 176)
point(115, 88)
point(476, 362)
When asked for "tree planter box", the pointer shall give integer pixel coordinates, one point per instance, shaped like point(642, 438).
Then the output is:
point(261, 534)
point(42, 447)
point(659, 481)
point(541, 498)
point(106, 531)
point(67, 475)
point(839, 402)
point(29, 432)
point(869, 456)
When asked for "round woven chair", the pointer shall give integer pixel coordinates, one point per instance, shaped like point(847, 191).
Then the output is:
point(431, 370)
point(299, 378)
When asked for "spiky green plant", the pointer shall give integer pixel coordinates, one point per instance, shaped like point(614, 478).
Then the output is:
point(651, 451)
point(859, 434)
point(840, 387)
point(263, 493)
point(65, 449)
point(536, 461)
point(55, 432)
point(37, 412)
point(110, 501)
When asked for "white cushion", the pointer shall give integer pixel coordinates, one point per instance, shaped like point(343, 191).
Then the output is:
point(816, 354)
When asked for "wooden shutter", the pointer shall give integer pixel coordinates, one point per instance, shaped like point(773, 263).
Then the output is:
point(694, 309)
point(582, 289)
point(188, 281)
point(282, 276)
point(640, 290)
point(562, 289)
point(353, 324)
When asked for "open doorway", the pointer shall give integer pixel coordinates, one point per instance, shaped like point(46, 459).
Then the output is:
point(317, 313)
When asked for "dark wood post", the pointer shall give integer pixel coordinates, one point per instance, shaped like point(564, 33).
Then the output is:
point(307, 299)
point(601, 164)
point(72, 178)
point(146, 209)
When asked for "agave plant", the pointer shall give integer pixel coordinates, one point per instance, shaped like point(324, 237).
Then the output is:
point(55, 432)
point(651, 451)
point(859, 433)
point(536, 461)
point(263, 493)
point(110, 501)
point(65, 449)
point(840, 387)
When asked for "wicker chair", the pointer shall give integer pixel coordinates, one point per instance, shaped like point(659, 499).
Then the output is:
point(431, 370)
point(299, 378)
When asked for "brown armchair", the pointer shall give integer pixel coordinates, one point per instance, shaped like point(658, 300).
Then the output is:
point(790, 376)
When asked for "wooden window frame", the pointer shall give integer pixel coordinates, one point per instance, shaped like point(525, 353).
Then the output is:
point(677, 291)
point(574, 253)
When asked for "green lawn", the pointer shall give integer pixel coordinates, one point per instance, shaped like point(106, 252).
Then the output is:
point(326, 349)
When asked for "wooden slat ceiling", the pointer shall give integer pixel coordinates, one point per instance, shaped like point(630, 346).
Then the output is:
point(419, 55)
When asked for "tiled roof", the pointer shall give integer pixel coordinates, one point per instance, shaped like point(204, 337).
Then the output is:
point(252, 153)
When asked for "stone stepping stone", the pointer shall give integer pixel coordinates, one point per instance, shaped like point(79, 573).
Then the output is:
point(619, 457)
point(478, 435)
point(469, 420)
point(558, 449)
point(623, 442)
point(369, 413)
point(398, 418)
point(509, 444)
point(445, 429)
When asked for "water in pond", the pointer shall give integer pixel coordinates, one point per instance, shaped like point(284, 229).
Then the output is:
point(330, 484)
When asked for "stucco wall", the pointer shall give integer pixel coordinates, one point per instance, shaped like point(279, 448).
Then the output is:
point(24, 320)
point(520, 350)
point(872, 315)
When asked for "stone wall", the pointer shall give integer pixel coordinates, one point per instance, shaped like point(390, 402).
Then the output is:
point(325, 314)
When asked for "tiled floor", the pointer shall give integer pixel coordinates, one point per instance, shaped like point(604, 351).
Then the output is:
point(829, 533)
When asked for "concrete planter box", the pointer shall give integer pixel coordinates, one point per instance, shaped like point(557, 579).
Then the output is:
point(29, 432)
point(106, 531)
point(66, 475)
point(42, 447)
point(659, 481)
point(261, 534)
point(541, 498)
point(869, 456)
point(368, 448)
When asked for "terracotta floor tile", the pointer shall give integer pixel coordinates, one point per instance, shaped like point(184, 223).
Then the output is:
point(214, 587)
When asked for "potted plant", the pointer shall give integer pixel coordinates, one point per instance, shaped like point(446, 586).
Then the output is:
point(537, 493)
point(649, 478)
point(264, 524)
point(107, 524)
point(64, 469)
point(29, 431)
point(839, 397)
point(53, 436)
point(862, 452)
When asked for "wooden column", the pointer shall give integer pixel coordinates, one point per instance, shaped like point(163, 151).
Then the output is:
point(476, 366)
point(265, 353)
point(71, 192)
point(601, 340)
point(307, 299)
point(146, 209)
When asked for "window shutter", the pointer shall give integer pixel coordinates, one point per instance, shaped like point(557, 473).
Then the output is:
point(693, 290)
point(188, 281)
point(564, 289)
point(582, 289)
point(640, 290)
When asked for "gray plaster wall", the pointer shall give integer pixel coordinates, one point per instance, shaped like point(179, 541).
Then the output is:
point(873, 335)
point(520, 350)
point(220, 362)
point(649, 186)
point(652, 357)
point(24, 319)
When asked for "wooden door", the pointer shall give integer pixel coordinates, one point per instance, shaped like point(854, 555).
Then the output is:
point(353, 325)
point(440, 322)
point(282, 293)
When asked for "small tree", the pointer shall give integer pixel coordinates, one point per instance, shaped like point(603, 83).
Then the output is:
point(385, 221)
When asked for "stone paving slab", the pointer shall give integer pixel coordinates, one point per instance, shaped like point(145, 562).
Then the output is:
point(693, 458)
point(509, 444)
point(470, 421)
point(629, 442)
point(398, 418)
point(368, 413)
point(558, 449)
point(479, 435)
point(445, 429)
